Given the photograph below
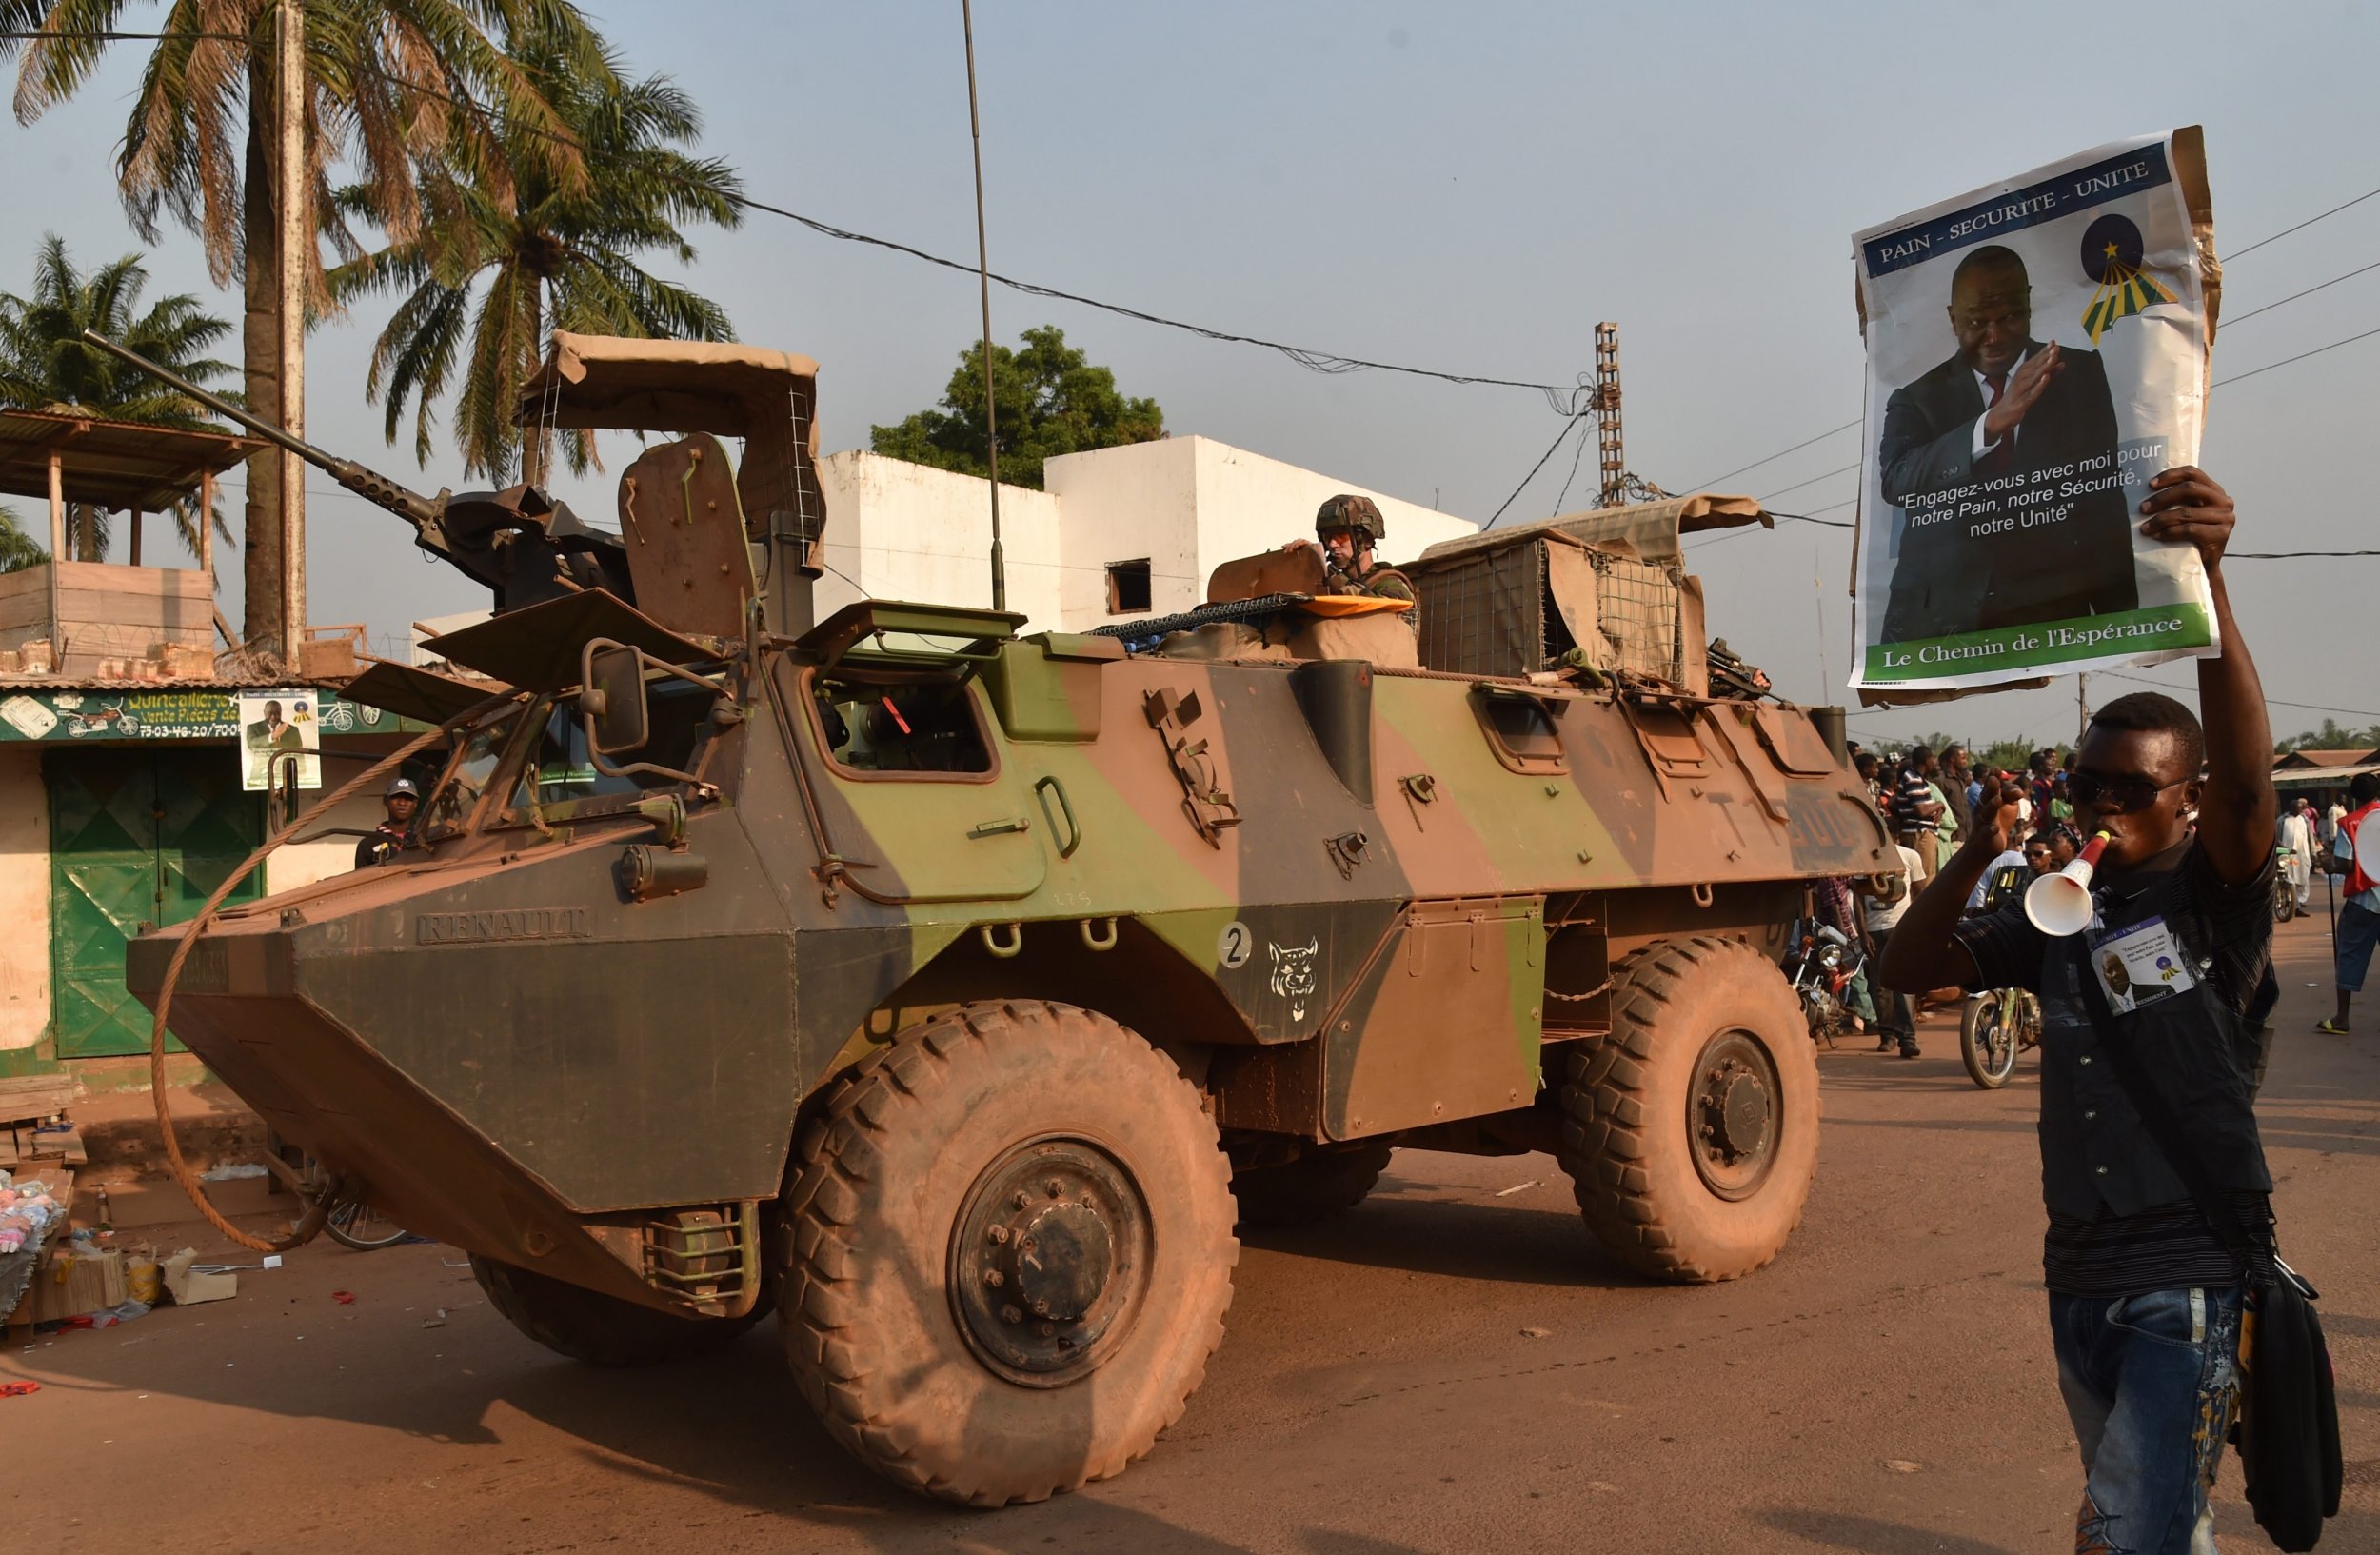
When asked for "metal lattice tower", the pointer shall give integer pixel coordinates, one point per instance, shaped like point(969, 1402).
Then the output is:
point(1607, 415)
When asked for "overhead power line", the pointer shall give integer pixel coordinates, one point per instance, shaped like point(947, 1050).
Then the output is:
point(2240, 319)
point(1831, 432)
point(2286, 360)
point(2301, 226)
point(1574, 423)
point(1565, 399)
point(1840, 469)
point(2302, 707)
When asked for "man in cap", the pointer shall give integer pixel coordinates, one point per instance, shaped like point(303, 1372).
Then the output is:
point(1349, 528)
point(385, 841)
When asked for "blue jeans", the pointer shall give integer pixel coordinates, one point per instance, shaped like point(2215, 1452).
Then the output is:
point(2151, 1383)
point(2359, 930)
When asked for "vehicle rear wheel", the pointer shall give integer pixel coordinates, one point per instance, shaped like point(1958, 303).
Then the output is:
point(1691, 1132)
point(1010, 1252)
point(1313, 1187)
point(1988, 1036)
point(599, 1329)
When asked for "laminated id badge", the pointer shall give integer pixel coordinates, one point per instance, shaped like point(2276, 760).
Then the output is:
point(2141, 965)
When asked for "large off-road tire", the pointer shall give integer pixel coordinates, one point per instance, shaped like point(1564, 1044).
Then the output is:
point(1010, 1251)
point(601, 1330)
point(1313, 1187)
point(1691, 1132)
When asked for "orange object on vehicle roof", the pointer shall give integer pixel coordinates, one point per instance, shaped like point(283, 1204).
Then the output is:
point(1345, 605)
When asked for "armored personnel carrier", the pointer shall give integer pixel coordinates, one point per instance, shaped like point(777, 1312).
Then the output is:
point(954, 991)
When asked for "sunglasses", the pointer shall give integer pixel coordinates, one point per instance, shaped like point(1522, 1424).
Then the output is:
point(2126, 794)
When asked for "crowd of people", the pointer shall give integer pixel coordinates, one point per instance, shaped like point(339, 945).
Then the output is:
point(1929, 799)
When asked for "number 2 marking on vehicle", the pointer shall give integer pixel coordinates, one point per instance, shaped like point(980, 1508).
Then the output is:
point(1235, 944)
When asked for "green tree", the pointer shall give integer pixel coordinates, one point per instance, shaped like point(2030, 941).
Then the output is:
point(1051, 401)
point(2330, 736)
point(18, 550)
point(393, 88)
point(46, 365)
point(541, 251)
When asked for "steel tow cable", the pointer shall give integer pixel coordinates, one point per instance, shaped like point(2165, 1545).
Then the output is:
point(318, 1215)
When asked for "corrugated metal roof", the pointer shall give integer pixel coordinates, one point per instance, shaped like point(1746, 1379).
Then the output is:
point(2322, 777)
point(205, 683)
point(110, 464)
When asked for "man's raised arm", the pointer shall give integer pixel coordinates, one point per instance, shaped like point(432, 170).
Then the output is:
point(2237, 811)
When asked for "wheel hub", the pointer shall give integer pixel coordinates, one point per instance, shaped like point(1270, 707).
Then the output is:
point(1732, 1114)
point(1060, 1261)
point(1049, 1261)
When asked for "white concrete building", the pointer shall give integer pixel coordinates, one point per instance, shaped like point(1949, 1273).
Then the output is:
point(1119, 532)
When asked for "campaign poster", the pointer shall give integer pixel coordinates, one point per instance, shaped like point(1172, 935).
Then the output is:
point(275, 726)
point(2037, 351)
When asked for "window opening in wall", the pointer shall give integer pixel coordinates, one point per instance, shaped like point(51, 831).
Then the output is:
point(1128, 587)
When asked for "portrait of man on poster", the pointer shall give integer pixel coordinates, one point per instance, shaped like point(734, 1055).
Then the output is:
point(1991, 424)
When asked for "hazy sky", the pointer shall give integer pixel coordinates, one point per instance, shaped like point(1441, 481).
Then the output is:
point(1468, 189)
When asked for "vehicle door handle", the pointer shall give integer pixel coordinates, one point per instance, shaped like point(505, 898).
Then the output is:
point(994, 828)
point(1042, 788)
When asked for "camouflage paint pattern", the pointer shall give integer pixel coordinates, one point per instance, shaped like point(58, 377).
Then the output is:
point(524, 1061)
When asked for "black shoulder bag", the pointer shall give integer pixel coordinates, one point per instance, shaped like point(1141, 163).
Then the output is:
point(2289, 1435)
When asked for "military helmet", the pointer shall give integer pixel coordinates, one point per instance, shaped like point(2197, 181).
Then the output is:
point(1351, 512)
point(404, 788)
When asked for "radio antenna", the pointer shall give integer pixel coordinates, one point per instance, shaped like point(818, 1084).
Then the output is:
point(983, 279)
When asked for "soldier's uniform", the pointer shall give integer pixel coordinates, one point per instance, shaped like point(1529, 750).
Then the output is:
point(1379, 580)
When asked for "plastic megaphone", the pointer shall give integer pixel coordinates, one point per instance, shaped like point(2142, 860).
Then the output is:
point(2059, 905)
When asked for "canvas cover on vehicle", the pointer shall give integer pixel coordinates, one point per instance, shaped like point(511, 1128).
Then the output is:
point(1609, 582)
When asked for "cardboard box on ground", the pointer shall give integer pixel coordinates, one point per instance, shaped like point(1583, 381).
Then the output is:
point(71, 1283)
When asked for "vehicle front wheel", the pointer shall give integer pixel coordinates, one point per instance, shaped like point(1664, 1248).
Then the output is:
point(1010, 1251)
point(1691, 1132)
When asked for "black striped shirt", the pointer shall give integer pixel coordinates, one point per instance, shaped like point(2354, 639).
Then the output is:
point(2170, 1245)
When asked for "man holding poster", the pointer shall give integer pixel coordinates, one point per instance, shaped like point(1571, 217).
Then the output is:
point(2037, 354)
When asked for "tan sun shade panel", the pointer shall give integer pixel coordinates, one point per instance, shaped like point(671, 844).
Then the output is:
point(1649, 529)
point(666, 386)
point(412, 692)
point(536, 648)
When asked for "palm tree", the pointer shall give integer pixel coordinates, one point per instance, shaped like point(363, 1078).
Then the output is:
point(45, 364)
point(18, 550)
point(552, 253)
point(395, 88)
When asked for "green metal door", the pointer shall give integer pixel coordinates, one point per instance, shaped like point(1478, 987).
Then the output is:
point(137, 836)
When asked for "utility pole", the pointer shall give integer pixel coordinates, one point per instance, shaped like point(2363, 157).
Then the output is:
point(2082, 708)
point(295, 235)
point(1607, 415)
point(984, 280)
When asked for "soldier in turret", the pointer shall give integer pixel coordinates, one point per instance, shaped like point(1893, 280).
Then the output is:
point(1349, 529)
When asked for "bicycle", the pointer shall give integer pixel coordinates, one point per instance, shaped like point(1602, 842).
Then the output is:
point(352, 1224)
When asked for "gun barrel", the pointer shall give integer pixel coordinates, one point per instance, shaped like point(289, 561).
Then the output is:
point(419, 510)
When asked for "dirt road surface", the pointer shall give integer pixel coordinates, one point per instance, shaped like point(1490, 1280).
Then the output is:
point(1452, 1367)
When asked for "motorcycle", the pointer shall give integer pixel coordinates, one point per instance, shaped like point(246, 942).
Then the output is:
point(1998, 1025)
point(2284, 892)
point(1822, 966)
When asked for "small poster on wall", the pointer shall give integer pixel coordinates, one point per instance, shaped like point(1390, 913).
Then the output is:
point(277, 727)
